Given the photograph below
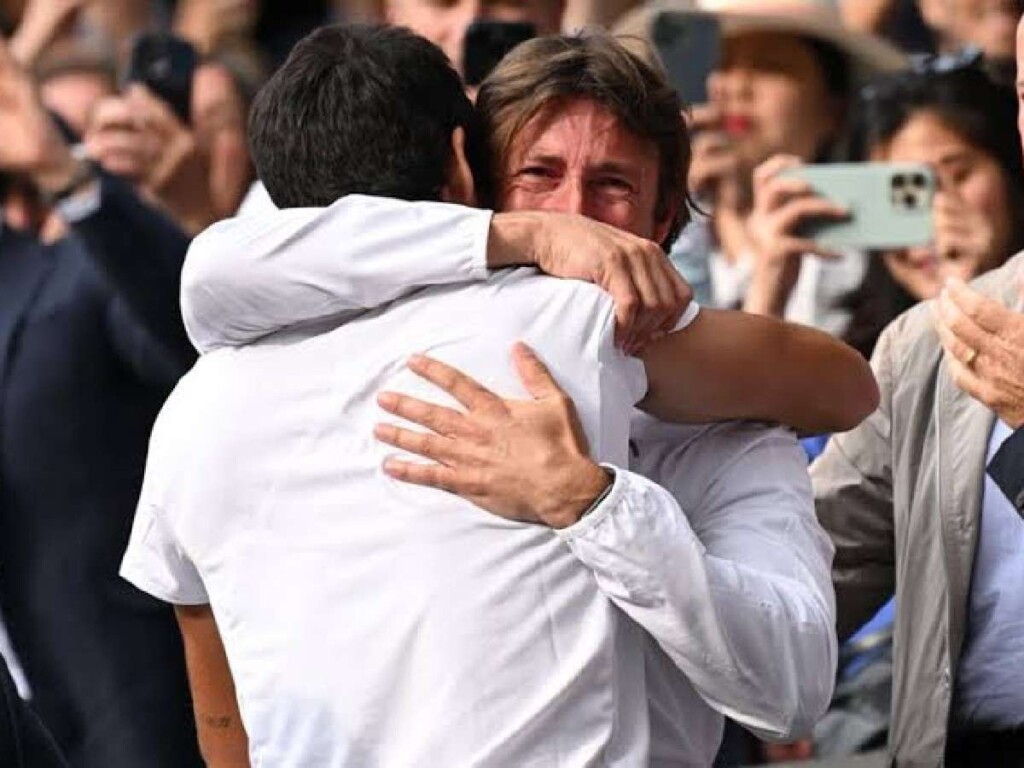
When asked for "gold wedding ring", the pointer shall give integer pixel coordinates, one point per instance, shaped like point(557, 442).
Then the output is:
point(972, 355)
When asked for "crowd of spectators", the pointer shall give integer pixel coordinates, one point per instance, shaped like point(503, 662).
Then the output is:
point(103, 186)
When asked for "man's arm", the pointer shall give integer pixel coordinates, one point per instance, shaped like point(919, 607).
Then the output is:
point(222, 737)
point(733, 365)
point(740, 600)
point(853, 497)
point(253, 275)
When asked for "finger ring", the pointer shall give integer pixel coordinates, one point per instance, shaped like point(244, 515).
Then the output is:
point(972, 355)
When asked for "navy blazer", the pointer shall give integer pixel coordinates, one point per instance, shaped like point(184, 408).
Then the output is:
point(91, 343)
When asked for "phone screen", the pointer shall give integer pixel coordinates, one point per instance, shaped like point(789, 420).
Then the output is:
point(164, 64)
point(688, 45)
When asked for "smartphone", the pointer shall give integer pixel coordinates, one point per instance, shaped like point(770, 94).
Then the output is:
point(689, 46)
point(164, 64)
point(889, 204)
point(486, 44)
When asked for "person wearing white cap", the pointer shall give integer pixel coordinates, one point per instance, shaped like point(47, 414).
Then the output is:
point(787, 71)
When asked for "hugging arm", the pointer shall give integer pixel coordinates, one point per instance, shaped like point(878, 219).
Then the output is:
point(222, 738)
point(362, 252)
point(735, 589)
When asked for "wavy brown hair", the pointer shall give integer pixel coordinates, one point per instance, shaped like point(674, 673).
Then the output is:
point(598, 67)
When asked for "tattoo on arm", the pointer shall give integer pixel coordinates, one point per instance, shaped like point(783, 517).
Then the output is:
point(216, 722)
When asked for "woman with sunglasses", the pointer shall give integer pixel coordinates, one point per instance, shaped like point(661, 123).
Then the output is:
point(946, 112)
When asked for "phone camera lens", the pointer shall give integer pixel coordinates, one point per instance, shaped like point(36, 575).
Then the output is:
point(899, 181)
point(909, 200)
point(919, 180)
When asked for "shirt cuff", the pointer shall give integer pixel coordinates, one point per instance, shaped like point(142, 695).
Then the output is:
point(476, 231)
point(593, 517)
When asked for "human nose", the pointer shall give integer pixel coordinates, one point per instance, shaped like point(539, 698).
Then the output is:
point(569, 197)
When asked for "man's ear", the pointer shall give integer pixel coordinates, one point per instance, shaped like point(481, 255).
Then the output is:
point(459, 186)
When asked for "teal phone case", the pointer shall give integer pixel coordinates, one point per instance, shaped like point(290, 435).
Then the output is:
point(890, 204)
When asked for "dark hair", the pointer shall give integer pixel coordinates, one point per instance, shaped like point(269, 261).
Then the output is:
point(966, 99)
point(597, 67)
point(361, 108)
point(972, 105)
point(835, 66)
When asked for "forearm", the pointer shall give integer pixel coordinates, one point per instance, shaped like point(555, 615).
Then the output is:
point(247, 277)
point(222, 738)
point(867, 15)
point(756, 645)
point(141, 252)
point(733, 365)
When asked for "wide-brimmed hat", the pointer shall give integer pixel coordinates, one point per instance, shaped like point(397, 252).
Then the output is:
point(869, 56)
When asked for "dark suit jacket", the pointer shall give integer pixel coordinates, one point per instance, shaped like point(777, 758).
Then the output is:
point(91, 342)
point(1007, 469)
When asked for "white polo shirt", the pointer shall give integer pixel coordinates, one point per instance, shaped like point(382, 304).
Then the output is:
point(368, 622)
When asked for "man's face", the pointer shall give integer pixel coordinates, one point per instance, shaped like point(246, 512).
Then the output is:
point(444, 22)
point(576, 157)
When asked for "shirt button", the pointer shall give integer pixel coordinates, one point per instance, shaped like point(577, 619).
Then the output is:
point(945, 677)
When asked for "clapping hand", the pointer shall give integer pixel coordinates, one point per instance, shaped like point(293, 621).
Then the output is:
point(984, 345)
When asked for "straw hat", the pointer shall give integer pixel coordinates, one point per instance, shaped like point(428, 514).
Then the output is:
point(819, 19)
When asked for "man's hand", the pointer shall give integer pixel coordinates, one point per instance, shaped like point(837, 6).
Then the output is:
point(649, 293)
point(524, 460)
point(984, 344)
point(30, 142)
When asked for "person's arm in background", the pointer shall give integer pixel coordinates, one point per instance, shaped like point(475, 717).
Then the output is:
point(853, 496)
point(41, 23)
point(867, 15)
point(222, 738)
point(139, 249)
point(736, 591)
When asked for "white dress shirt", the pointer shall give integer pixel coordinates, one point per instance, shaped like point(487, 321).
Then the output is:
point(763, 650)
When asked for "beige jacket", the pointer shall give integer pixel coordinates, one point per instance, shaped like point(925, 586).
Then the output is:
point(901, 498)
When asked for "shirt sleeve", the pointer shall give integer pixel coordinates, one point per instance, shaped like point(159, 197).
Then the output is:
point(1007, 469)
point(734, 585)
point(155, 562)
point(253, 275)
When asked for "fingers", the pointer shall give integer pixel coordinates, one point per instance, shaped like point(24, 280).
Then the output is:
point(457, 384)
point(955, 347)
point(982, 311)
point(704, 117)
point(799, 211)
point(959, 324)
point(434, 447)
point(429, 475)
point(533, 373)
point(441, 420)
point(773, 166)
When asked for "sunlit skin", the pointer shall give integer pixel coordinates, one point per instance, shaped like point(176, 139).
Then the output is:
point(74, 95)
point(444, 22)
point(773, 97)
point(218, 117)
point(575, 157)
point(988, 24)
point(973, 185)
